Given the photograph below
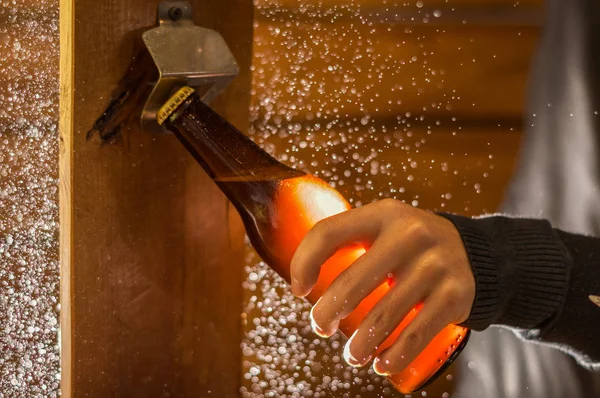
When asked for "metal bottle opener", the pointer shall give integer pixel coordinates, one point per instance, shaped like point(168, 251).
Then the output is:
point(184, 54)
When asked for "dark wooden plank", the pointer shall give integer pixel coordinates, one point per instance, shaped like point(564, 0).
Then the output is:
point(434, 13)
point(156, 259)
point(396, 3)
point(347, 69)
point(472, 165)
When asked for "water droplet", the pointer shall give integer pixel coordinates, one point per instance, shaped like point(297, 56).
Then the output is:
point(29, 268)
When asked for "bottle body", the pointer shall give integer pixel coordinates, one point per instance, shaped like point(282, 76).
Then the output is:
point(284, 212)
point(279, 206)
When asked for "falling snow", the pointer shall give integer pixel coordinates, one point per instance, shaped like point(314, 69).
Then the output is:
point(29, 273)
point(283, 357)
point(357, 95)
point(318, 89)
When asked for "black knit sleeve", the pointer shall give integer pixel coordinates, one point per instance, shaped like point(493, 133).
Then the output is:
point(577, 326)
point(538, 280)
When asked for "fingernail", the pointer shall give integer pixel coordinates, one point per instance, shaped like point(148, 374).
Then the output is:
point(296, 290)
point(378, 368)
point(348, 357)
point(320, 332)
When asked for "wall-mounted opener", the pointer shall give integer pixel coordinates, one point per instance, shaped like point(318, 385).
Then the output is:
point(184, 54)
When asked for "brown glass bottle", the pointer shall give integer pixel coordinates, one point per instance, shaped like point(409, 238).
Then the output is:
point(278, 206)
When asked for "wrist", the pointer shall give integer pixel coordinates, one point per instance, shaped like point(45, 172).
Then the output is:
point(520, 270)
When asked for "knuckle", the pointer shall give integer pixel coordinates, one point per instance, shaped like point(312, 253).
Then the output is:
point(451, 301)
point(389, 205)
point(422, 234)
point(434, 265)
point(454, 292)
point(432, 269)
point(344, 292)
point(322, 230)
point(349, 286)
point(379, 319)
point(457, 291)
point(345, 282)
point(454, 297)
point(412, 339)
point(343, 288)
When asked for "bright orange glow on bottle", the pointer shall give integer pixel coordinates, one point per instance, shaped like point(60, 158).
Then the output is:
point(279, 206)
point(296, 205)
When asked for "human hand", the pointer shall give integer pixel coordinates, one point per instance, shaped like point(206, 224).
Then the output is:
point(423, 255)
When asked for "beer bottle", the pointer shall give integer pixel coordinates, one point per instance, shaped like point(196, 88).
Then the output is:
point(278, 206)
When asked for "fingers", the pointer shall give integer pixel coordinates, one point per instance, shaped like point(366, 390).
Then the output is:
point(384, 318)
point(328, 236)
point(432, 318)
point(417, 250)
point(355, 283)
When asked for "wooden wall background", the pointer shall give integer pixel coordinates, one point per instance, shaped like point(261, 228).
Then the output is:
point(443, 83)
point(141, 318)
point(151, 252)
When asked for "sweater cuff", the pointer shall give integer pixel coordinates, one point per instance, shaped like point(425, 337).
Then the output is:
point(520, 269)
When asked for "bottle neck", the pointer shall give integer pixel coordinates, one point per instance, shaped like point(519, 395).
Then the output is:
point(223, 151)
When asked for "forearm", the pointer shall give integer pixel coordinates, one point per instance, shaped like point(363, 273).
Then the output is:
point(532, 277)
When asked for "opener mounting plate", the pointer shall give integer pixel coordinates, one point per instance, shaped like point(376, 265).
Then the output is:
point(184, 54)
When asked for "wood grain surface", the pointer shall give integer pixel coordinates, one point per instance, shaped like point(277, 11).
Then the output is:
point(152, 253)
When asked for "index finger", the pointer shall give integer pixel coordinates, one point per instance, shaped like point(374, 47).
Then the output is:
point(327, 237)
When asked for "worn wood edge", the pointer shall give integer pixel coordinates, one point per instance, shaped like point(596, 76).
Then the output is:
point(65, 162)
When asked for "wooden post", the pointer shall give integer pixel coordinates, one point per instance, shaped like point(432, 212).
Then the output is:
point(151, 253)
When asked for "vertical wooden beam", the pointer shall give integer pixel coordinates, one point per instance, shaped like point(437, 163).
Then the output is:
point(65, 206)
point(153, 253)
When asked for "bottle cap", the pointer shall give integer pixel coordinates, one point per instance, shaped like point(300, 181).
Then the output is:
point(173, 103)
